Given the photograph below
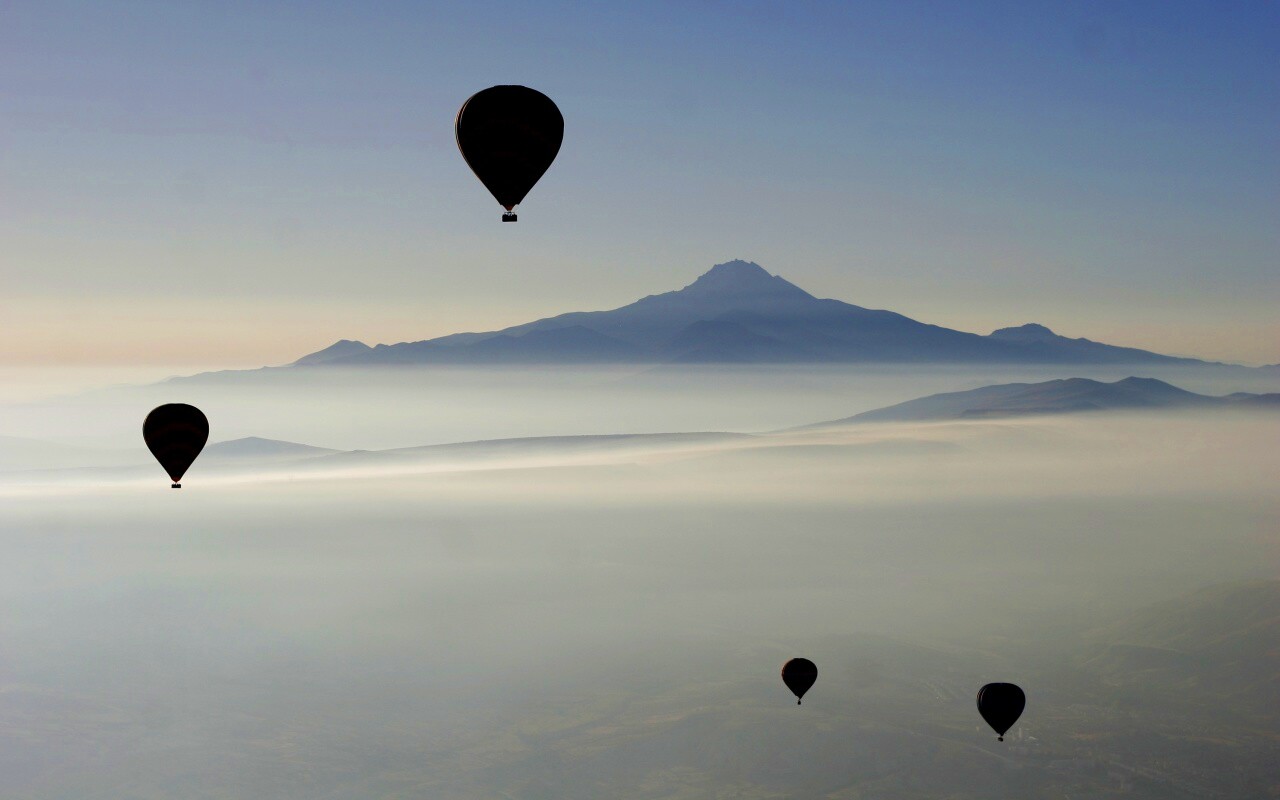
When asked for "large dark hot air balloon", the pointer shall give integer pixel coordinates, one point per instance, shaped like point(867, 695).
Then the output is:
point(799, 674)
point(175, 434)
point(509, 135)
point(1000, 704)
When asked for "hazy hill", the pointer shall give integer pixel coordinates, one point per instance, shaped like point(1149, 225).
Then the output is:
point(255, 447)
point(1063, 396)
point(736, 313)
point(527, 451)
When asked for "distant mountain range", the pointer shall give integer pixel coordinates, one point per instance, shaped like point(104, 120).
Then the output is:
point(1065, 396)
point(737, 313)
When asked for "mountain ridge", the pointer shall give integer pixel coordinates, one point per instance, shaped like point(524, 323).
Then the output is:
point(737, 312)
point(1075, 394)
point(1059, 396)
point(259, 447)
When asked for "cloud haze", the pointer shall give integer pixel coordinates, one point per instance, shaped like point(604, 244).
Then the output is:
point(429, 622)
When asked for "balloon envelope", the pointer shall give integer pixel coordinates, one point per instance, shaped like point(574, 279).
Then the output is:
point(1000, 704)
point(799, 675)
point(175, 434)
point(509, 135)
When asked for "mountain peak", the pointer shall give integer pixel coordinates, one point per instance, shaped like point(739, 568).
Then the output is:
point(740, 277)
point(258, 447)
point(1031, 332)
point(1149, 385)
point(758, 318)
point(342, 348)
point(738, 267)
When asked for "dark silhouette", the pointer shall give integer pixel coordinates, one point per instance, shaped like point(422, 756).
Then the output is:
point(799, 675)
point(1000, 704)
point(509, 135)
point(175, 434)
point(738, 313)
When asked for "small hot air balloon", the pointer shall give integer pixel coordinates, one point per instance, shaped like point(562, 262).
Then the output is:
point(175, 434)
point(799, 675)
point(1000, 704)
point(509, 135)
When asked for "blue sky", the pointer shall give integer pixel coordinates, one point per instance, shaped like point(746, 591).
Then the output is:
point(233, 184)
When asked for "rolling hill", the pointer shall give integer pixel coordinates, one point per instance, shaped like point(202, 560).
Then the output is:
point(1065, 396)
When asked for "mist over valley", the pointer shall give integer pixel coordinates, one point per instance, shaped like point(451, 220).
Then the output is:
point(492, 615)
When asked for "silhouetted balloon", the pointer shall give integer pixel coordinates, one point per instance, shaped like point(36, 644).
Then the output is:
point(509, 135)
point(175, 434)
point(1000, 704)
point(799, 674)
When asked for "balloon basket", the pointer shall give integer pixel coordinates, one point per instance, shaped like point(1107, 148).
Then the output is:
point(508, 217)
point(176, 486)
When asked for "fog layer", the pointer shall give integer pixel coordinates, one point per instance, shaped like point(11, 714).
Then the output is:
point(610, 622)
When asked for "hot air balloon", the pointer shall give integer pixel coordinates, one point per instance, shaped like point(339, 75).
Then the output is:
point(175, 434)
point(799, 674)
point(509, 135)
point(1000, 704)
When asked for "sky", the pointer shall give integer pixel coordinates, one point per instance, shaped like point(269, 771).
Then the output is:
point(237, 184)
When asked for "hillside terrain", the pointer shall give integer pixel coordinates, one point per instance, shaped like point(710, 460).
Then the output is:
point(1064, 396)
